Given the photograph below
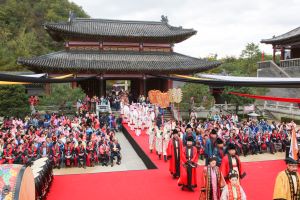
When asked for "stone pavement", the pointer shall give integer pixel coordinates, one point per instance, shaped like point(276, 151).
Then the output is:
point(130, 161)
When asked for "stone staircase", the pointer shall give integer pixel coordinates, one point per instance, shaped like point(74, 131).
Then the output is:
point(285, 70)
point(168, 114)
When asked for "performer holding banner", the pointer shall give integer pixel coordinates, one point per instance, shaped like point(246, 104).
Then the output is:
point(189, 159)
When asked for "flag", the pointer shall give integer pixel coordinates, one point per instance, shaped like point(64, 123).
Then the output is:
point(294, 146)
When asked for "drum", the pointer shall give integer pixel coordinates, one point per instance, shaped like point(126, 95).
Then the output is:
point(39, 184)
point(43, 176)
point(16, 182)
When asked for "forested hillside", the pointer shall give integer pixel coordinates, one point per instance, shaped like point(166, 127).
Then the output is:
point(21, 30)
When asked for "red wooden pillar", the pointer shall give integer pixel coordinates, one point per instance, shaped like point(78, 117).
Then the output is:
point(141, 86)
point(144, 85)
point(170, 84)
point(47, 88)
point(282, 52)
point(274, 53)
point(74, 83)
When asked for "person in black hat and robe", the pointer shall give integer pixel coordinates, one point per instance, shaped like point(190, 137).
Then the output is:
point(210, 146)
point(220, 151)
point(231, 162)
point(174, 149)
point(287, 185)
point(189, 159)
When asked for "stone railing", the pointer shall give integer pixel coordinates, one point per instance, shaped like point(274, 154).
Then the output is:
point(264, 64)
point(290, 63)
point(271, 65)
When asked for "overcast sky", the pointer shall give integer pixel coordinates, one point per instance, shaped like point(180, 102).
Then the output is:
point(224, 26)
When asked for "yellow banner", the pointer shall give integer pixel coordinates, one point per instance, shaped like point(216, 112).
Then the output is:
point(191, 77)
point(12, 83)
point(64, 76)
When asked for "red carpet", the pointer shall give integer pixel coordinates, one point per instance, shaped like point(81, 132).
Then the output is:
point(155, 184)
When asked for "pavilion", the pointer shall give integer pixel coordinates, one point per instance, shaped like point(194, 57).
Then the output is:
point(117, 50)
point(287, 41)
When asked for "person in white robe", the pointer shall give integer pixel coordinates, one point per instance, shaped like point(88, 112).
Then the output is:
point(159, 141)
point(152, 134)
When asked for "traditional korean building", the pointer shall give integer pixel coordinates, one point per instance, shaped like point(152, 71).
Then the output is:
point(289, 41)
point(117, 50)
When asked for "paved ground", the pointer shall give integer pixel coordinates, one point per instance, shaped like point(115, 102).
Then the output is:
point(130, 161)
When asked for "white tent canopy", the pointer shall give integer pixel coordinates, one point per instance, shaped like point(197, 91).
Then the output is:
point(248, 79)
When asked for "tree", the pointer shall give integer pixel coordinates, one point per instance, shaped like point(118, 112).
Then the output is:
point(62, 96)
point(245, 65)
point(237, 100)
point(21, 28)
point(13, 101)
point(200, 93)
point(251, 51)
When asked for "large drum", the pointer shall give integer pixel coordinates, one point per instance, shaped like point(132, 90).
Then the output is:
point(43, 176)
point(16, 182)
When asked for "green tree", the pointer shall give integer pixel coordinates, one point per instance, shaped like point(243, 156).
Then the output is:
point(62, 96)
point(21, 28)
point(13, 101)
point(245, 65)
point(251, 51)
point(201, 94)
point(237, 100)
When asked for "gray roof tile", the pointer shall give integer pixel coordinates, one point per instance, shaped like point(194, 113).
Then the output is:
point(103, 29)
point(119, 62)
point(286, 37)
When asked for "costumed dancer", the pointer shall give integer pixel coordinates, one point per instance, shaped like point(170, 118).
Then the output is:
point(152, 132)
point(189, 158)
point(174, 150)
point(231, 162)
point(287, 185)
point(138, 127)
point(135, 117)
point(233, 190)
point(212, 181)
point(159, 141)
point(166, 139)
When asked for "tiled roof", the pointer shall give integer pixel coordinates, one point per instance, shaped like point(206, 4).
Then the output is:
point(118, 30)
point(286, 37)
point(117, 62)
